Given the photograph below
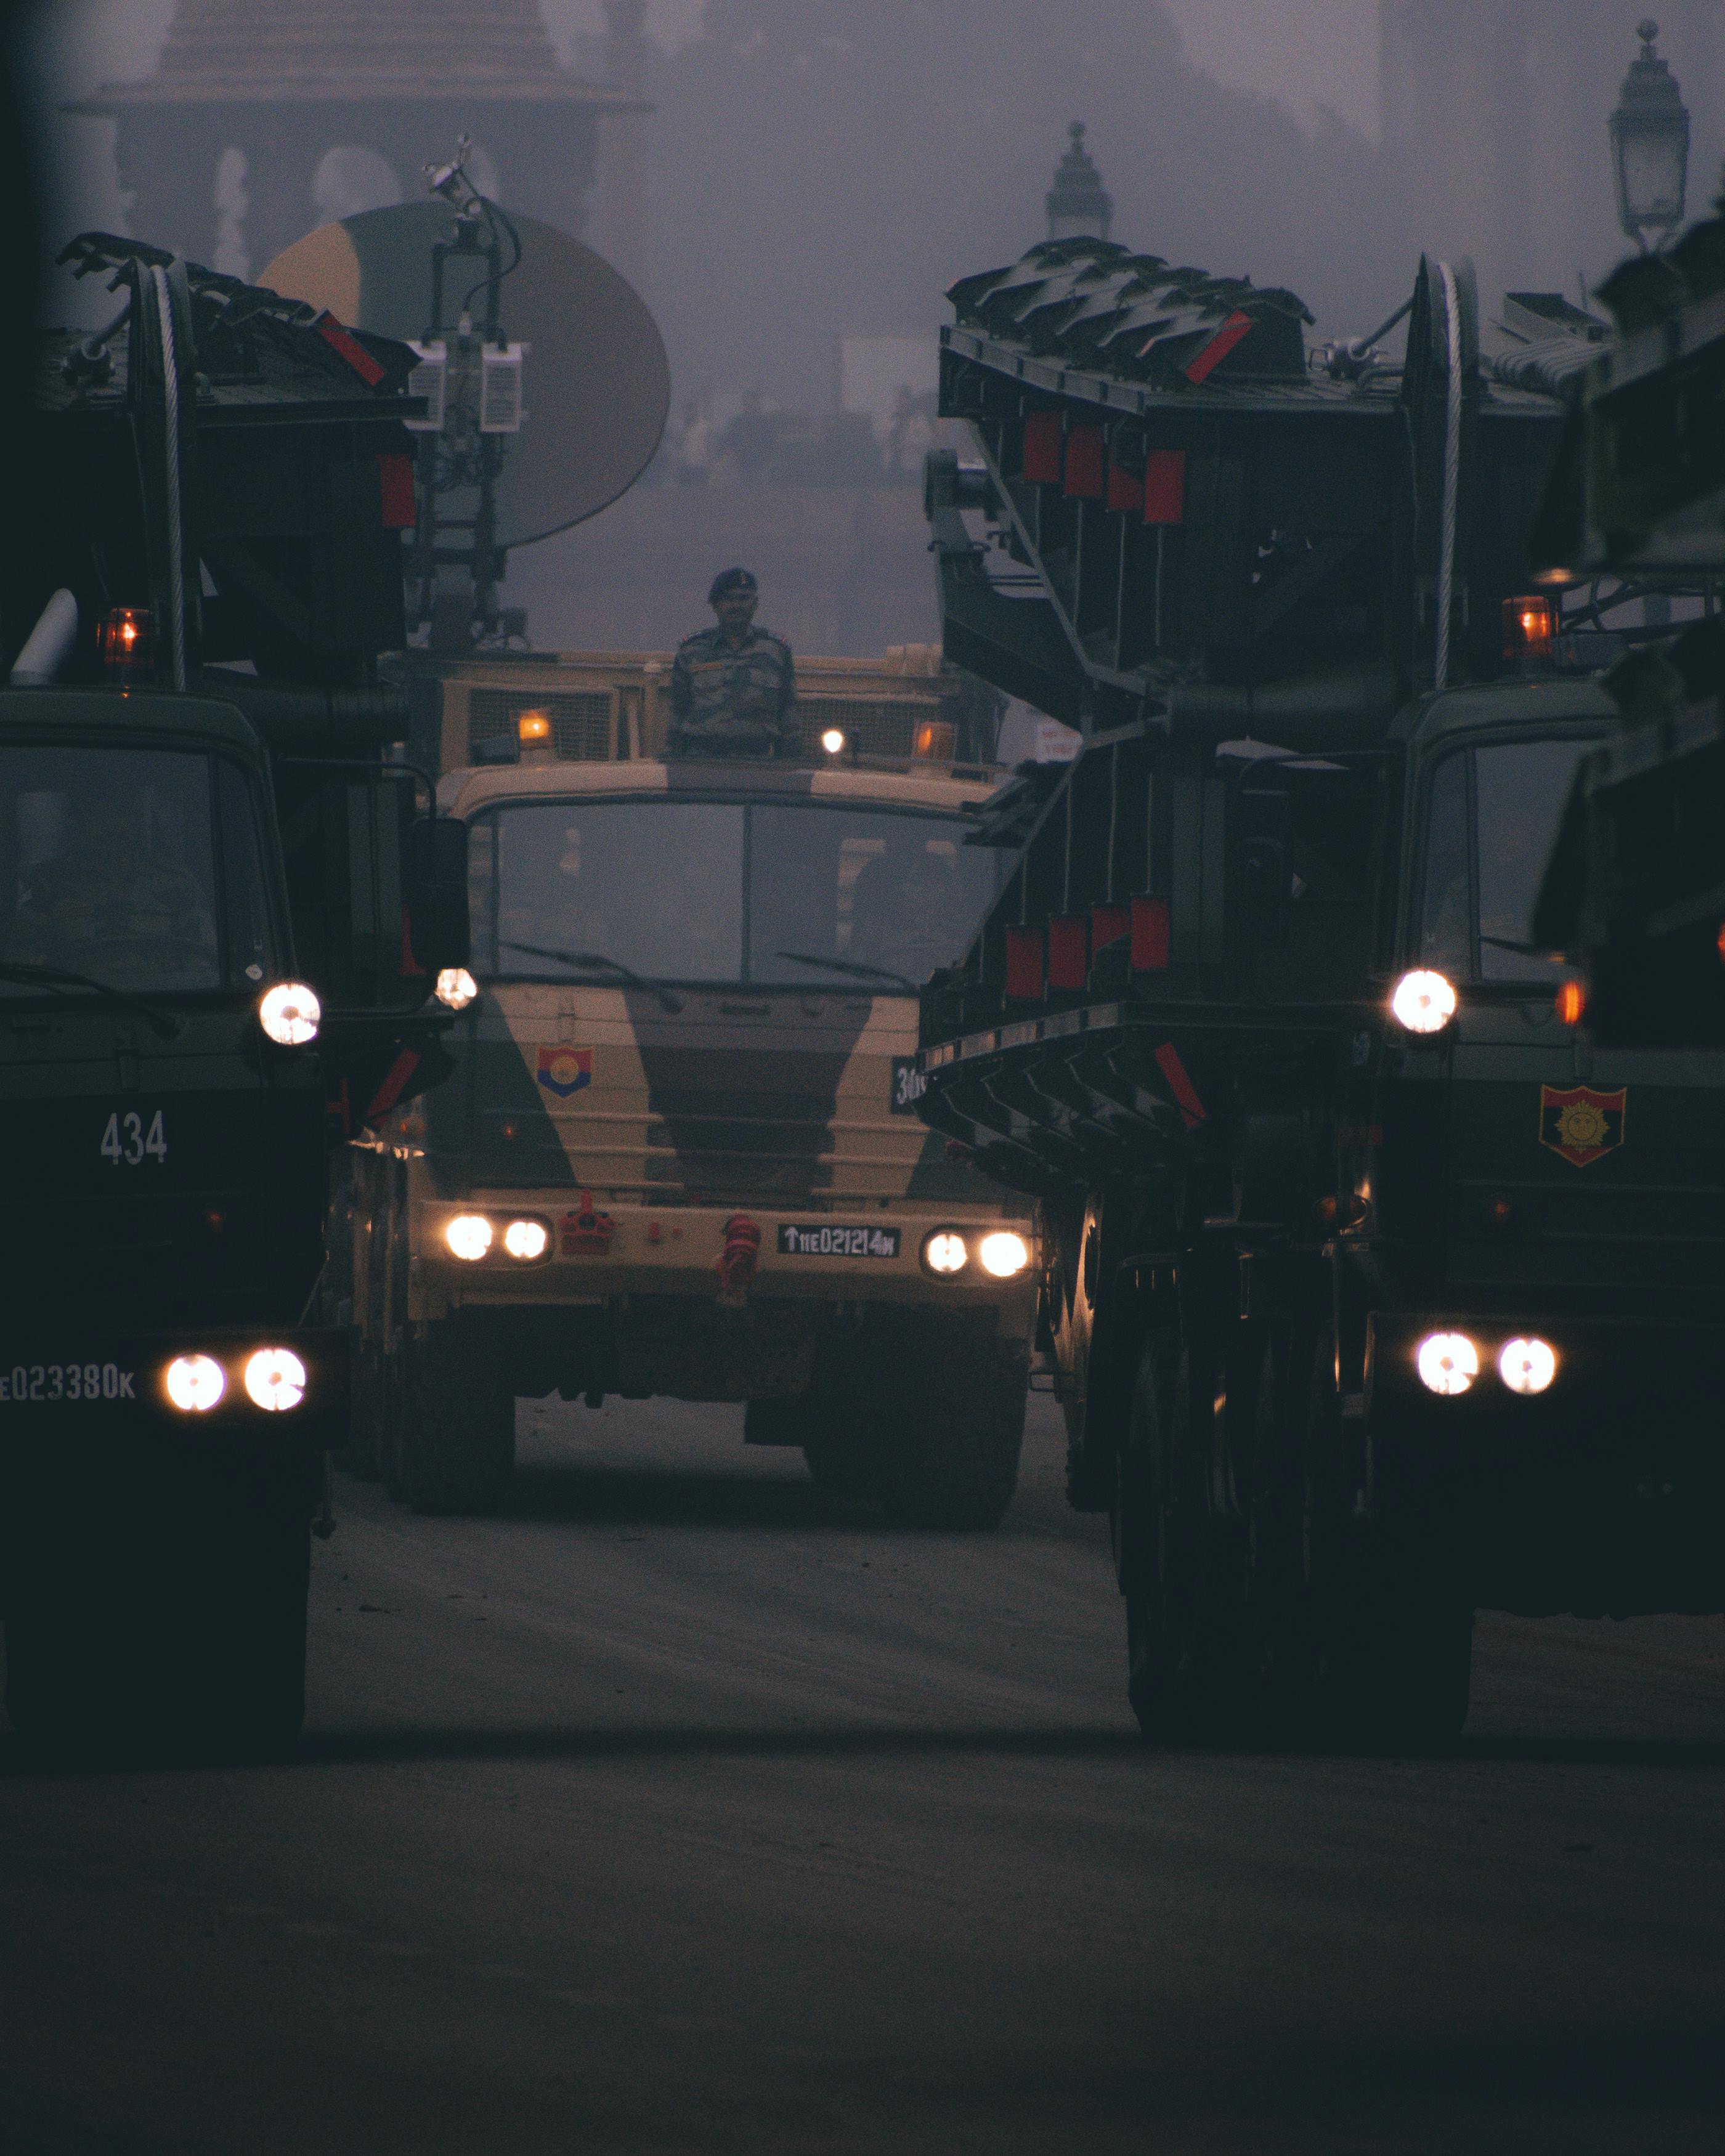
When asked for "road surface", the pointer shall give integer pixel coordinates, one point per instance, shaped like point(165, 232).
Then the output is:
point(683, 1809)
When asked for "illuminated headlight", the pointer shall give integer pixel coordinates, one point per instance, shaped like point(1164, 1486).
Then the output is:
point(1003, 1255)
point(290, 1012)
point(1424, 1002)
point(469, 1236)
point(456, 987)
point(525, 1239)
point(275, 1380)
point(194, 1383)
point(1526, 1366)
point(1448, 1363)
point(833, 741)
point(944, 1251)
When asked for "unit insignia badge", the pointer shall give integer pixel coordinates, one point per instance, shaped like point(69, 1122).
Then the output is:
point(1579, 1123)
point(565, 1070)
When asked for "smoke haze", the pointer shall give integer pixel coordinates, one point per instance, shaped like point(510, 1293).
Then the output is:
point(818, 170)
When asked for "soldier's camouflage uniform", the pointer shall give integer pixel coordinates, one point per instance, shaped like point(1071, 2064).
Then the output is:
point(733, 699)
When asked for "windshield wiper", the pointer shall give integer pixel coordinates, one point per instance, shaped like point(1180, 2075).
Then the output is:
point(668, 1000)
point(1523, 950)
point(57, 978)
point(851, 965)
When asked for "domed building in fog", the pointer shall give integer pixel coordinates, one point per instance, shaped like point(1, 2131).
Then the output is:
point(265, 118)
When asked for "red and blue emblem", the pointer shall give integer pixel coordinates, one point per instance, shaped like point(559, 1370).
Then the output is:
point(565, 1070)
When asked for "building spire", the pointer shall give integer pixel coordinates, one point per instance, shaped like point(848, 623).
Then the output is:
point(1079, 205)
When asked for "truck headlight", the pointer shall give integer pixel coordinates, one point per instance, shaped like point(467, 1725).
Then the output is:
point(945, 1252)
point(469, 1236)
point(194, 1383)
point(1448, 1363)
point(526, 1239)
point(1003, 1255)
point(275, 1380)
point(1422, 1001)
point(291, 1013)
point(1526, 1366)
point(456, 987)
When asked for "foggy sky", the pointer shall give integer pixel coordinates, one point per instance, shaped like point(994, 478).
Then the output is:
point(823, 166)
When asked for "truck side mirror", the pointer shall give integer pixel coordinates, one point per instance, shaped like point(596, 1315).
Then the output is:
point(436, 892)
point(347, 831)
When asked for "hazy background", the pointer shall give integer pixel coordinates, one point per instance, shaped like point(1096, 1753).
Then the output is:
point(819, 170)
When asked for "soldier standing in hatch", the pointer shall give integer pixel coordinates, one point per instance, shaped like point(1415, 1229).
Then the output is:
point(733, 692)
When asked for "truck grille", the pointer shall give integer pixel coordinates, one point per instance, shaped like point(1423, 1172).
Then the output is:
point(880, 726)
point(581, 729)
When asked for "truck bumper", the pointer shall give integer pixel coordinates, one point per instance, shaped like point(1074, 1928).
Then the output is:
point(1604, 1493)
point(596, 1253)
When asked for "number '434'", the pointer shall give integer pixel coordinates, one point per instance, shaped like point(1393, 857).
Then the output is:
point(128, 1140)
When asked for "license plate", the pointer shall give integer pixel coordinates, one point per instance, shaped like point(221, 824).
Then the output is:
point(27, 1384)
point(825, 1241)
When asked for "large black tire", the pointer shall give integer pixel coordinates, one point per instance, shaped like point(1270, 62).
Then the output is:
point(838, 1424)
point(950, 1459)
point(1392, 1622)
point(1158, 1550)
point(363, 1455)
point(844, 1470)
point(455, 1419)
point(199, 1651)
point(394, 1377)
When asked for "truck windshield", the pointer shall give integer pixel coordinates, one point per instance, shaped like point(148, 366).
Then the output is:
point(679, 891)
point(1493, 814)
point(138, 868)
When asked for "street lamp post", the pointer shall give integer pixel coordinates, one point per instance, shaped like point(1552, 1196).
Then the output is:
point(1650, 145)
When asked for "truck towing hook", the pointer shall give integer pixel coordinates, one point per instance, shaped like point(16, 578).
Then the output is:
point(738, 1259)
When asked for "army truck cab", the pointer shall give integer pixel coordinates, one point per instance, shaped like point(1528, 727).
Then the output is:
point(679, 1155)
point(169, 1385)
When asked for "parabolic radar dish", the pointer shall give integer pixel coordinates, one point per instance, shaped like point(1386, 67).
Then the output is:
point(596, 384)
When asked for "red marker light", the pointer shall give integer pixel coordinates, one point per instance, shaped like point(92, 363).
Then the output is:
point(1530, 627)
point(126, 639)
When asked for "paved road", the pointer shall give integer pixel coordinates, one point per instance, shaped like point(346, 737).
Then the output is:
point(685, 1810)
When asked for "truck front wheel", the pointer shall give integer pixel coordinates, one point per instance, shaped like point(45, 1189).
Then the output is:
point(1158, 1549)
point(952, 1459)
point(455, 1435)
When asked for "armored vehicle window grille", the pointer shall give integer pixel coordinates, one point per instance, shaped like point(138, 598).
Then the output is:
point(580, 719)
point(872, 725)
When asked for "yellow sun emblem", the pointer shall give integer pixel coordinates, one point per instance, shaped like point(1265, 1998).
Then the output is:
point(1581, 1124)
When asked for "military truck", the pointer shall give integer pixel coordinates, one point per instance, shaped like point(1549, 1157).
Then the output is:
point(218, 930)
point(1635, 509)
point(679, 1155)
point(1377, 1290)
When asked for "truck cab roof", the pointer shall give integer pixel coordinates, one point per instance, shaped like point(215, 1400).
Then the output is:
point(159, 713)
point(465, 792)
point(1518, 703)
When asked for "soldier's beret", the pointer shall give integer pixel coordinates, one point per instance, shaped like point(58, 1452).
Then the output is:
point(732, 580)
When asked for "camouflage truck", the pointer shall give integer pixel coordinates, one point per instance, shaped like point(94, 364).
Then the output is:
point(597, 706)
point(679, 1155)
